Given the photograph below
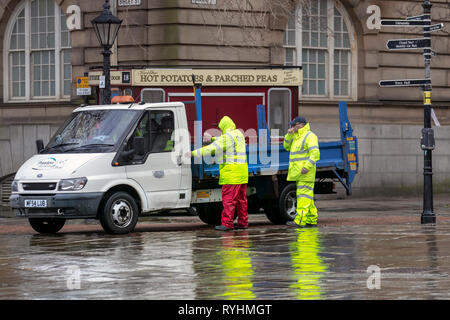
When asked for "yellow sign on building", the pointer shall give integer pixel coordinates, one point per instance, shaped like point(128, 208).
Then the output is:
point(82, 82)
point(83, 88)
point(217, 77)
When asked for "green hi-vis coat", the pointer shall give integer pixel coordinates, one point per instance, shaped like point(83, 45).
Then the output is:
point(304, 153)
point(231, 151)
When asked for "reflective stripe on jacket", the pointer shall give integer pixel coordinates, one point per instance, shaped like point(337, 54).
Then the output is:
point(231, 151)
point(304, 153)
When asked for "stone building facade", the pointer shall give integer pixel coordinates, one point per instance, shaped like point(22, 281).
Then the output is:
point(45, 44)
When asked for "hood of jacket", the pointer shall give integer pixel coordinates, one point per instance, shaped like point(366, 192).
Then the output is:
point(226, 124)
point(303, 130)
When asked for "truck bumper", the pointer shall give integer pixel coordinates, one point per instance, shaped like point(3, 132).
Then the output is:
point(68, 206)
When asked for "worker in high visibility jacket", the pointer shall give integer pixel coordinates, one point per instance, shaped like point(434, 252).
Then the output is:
point(230, 151)
point(304, 153)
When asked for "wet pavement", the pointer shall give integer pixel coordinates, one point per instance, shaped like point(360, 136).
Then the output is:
point(363, 249)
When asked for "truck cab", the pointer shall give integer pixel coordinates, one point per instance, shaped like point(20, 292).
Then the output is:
point(108, 163)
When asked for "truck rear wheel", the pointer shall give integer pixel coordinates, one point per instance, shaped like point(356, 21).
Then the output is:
point(120, 213)
point(285, 209)
point(47, 225)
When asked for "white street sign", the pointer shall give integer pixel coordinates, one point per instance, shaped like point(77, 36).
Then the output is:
point(83, 91)
point(123, 3)
point(102, 81)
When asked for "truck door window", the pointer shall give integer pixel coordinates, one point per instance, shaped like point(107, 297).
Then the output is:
point(279, 111)
point(152, 95)
point(142, 130)
point(162, 127)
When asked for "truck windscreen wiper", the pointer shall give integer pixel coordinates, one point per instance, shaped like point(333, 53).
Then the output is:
point(59, 145)
point(92, 145)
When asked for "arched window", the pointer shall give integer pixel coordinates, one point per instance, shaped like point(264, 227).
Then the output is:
point(320, 38)
point(37, 53)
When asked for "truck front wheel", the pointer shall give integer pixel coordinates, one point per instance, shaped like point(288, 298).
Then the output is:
point(120, 213)
point(47, 225)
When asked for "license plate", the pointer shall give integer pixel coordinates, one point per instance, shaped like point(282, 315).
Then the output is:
point(35, 203)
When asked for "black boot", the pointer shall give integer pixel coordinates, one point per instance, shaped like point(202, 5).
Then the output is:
point(309, 225)
point(222, 228)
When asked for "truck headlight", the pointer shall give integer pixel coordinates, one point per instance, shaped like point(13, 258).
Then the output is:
point(72, 184)
point(15, 186)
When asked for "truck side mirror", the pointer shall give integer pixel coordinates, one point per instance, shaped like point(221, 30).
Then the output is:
point(39, 145)
point(139, 145)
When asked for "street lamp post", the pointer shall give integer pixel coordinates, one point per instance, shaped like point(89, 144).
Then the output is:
point(106, 27)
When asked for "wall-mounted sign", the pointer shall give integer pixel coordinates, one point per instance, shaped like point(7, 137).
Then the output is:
point(203, 1)
point(217, 77)
point(123, 3)
point(117, 77)
point(126, 77)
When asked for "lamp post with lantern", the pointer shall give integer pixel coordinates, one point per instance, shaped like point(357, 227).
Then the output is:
point(106, 27)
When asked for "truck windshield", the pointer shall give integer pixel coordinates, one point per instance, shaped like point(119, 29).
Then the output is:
point(91, 131)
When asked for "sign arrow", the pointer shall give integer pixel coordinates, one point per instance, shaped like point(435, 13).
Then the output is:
point(421, 17)
point(404, 83)
point(404, 44)
point(434, 27)
point(405, 23)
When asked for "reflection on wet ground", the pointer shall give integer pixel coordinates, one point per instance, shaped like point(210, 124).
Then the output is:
point(264, 262)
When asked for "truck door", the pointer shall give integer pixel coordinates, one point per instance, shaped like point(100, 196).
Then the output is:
point(159, 170)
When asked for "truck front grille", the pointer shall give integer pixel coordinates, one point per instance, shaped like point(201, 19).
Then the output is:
point(41, 186)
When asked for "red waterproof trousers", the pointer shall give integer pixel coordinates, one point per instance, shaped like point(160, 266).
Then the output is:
point(234, 199)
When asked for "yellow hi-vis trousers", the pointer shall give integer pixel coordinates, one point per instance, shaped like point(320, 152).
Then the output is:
point(306, 210)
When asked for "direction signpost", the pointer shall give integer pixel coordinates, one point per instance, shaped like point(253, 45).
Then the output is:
point(404, 83)
point(435, 27)
point(405, 44)
point(427, 140)
point(420, 17)
point(405, 23)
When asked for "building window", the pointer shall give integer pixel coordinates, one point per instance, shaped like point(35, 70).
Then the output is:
point(319, 37)
point(37, 53)
point(279, 111)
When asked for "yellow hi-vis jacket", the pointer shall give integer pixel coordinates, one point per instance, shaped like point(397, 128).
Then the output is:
point(304, 153)
point(231, 152)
